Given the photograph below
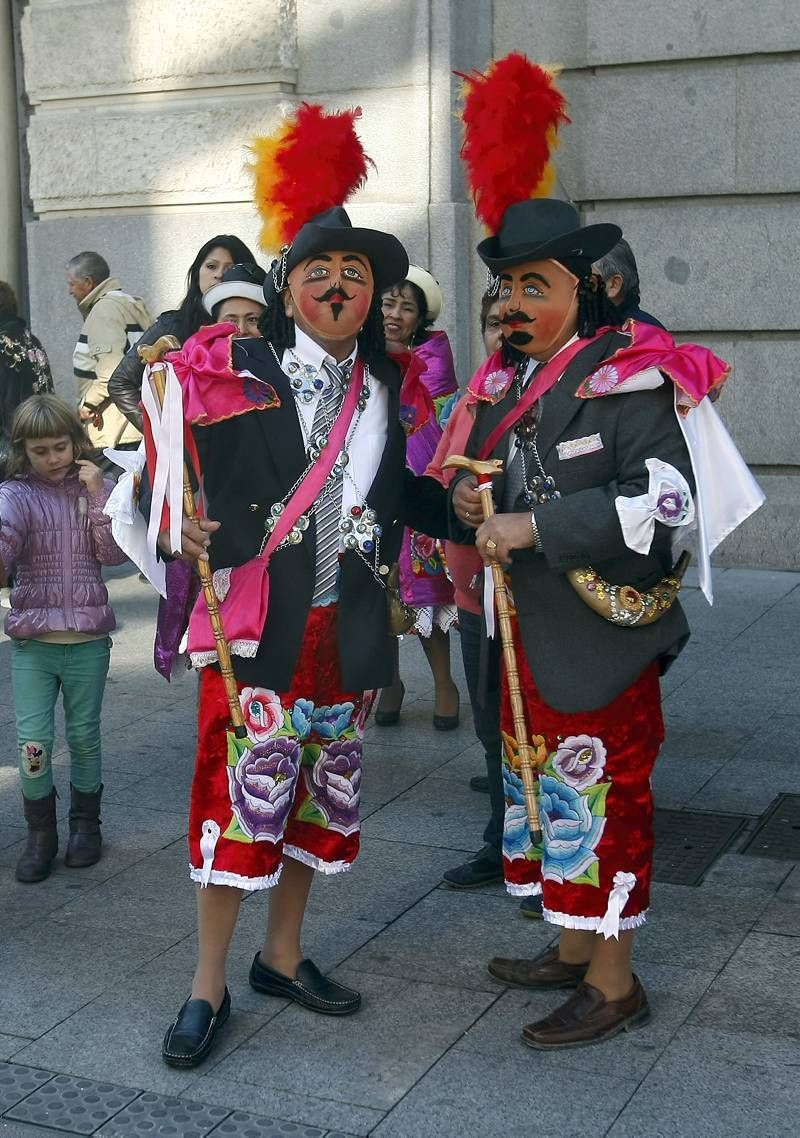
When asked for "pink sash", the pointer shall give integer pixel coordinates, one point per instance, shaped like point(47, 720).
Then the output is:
point(545, 378)
point(244, 590)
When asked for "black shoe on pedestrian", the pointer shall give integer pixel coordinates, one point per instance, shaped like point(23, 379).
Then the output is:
point(482, 870)
point(389, 718)
point(309, 988)
point(480, 783)
point(531, 907)
point(190, 1038)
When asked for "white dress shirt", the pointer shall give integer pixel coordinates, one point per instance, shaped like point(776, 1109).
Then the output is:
point(368, 441)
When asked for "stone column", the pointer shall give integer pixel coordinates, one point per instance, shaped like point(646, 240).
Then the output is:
point(10, 220)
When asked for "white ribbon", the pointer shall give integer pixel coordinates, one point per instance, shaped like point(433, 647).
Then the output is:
point(617, 900)
point(668, 500)
point(208, 843)
point(488, 600)
point(166, 424)
point(128, 527)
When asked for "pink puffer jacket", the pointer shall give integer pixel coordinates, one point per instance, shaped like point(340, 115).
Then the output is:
point(54, 537)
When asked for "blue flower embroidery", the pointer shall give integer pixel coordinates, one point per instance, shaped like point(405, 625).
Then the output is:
point(571, 831)
point(516, 834)
point(331, 722)
point(302, 714)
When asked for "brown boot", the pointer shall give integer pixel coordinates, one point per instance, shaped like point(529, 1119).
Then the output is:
point(85, 840)
point(543, 972)
point(588, 1017)
point(37, 857)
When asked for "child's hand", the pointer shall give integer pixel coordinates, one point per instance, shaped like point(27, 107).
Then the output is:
point(90, 475)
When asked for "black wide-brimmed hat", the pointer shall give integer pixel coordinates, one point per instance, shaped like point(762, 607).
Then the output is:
point(244, 280)
point(541, 229)
point(332, 231)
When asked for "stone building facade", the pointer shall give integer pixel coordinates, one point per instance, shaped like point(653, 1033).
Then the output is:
point(133, 118)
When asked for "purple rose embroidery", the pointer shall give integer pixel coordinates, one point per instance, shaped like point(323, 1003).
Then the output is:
point(336, 780)
point(671, 506)
point(579, 761)
point(261, 786)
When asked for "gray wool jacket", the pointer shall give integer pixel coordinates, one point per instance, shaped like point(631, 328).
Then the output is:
point(579, 660)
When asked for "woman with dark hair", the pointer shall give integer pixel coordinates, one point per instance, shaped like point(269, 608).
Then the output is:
point(426, 398)
point(206, 270)
point(24, 369)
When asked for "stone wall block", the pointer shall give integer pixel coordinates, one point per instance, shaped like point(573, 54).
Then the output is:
point(165, 153)
point(595, 33)
point(768, 97)
point(659, 132)
point(346, 45)
point(770, 538)
point(154, 45)
point(760, 402)
point(548, 31)
point(714, 266)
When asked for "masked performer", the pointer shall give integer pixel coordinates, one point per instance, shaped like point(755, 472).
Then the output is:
point(268, 811)
point(605, 436)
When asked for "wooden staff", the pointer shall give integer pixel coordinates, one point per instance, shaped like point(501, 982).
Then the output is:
point(152, 354)
point(484, 472)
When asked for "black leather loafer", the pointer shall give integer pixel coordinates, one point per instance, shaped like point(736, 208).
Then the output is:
point(310, 988)
point(190, 1038)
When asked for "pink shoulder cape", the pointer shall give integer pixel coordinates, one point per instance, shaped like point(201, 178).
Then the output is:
point(693, 369)
point(212, 390)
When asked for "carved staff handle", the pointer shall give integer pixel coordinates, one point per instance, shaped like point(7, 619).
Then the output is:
point(484, 471)
point(153, 354)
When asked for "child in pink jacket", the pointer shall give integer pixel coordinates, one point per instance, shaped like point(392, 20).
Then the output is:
point(54, 537)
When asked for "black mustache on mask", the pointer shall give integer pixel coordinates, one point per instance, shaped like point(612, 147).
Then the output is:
point(516, 317)
point(335, 290)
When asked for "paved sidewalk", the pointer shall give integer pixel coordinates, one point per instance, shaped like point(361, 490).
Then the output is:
point(94, 963)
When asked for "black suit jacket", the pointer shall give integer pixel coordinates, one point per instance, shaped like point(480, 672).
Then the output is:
point(251, 461)
point(579, 660)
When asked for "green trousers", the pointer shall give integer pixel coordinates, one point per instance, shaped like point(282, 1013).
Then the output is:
point(38, 672)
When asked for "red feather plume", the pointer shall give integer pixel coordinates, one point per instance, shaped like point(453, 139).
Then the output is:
point(511, 114)
point(312, 162)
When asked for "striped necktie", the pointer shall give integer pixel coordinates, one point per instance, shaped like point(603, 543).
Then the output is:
point(329, 508)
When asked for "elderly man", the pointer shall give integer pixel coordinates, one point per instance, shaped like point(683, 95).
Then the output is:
point(620, 275)
point(113, 321)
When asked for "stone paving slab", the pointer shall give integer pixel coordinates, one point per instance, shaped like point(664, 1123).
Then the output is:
point(365, 1059)
point(151, 1115)
point(388, 878)
point(466, 1093)
point(73, 1106)
point(436, 812)
point(782, 914)
point(716, 1084)
point(39, 992)
point(448, 938)
point(121, 1031)
point(757, 990)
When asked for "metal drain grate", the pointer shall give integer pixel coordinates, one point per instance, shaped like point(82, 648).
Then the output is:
point(152, 1115)
point(16, 1082)
point(689, 842)
point(778, 833)
point(242, 1125)
point(78, 1106)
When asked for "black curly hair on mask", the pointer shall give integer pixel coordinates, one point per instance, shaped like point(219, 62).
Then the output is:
point(595, 310)
point(276, 327)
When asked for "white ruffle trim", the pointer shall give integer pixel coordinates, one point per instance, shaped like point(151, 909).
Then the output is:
point(326, 867)
point(429, 617)
point(591, 924)
point(224, 877)
point(532, 890)
point(247, 648)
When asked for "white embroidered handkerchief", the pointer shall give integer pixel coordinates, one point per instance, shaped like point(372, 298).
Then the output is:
point(573, 448)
